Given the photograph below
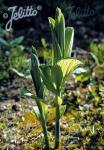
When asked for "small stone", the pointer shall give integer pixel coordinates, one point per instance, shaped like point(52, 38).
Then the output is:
point(16, 107)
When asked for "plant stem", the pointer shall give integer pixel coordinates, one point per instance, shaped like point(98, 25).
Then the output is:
point(57, 128)
point(43, 122)
point(44, 127)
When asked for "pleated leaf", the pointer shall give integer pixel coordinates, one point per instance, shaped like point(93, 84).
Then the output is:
point(35, 73)
point(44, 109)
point(3, 42)
point(60, 29)
point(69, 36)
point(47, 78)
point(67, 66)
point(55, 76)
point(56, 51)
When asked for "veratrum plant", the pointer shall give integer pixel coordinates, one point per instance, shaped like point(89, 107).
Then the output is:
point(62, 37)
point(97, 53)
point(11, 54)
point(53, 76)
point(41, 111)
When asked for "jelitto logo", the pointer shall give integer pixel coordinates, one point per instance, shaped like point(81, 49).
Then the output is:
point(20, 13)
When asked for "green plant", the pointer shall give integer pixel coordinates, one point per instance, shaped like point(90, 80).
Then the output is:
point(53, 76)
point(11, 54)
point(62, 38)
point(39, 87)
point(97, 53)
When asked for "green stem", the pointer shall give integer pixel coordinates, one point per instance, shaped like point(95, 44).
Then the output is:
point(43, 123)
point(57, 128)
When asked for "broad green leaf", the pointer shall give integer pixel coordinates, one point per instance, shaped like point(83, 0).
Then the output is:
point(60, 29)
point(2, 32)
point(3, 42)
point(44, 44)
point(16, 41)
point(69, 35)
point(34, 51)
point(35, 72)
point(58, 36)
point(95, 58)
point(94, 48)
point(51, 22)
point(47, 78)
point(97, 52)
point(56, 48)
point(56, 51)
point(62, 38)
point(44, 110)
point(67, 66)
point(57, 77)
point(52, 25)
point(36, 112)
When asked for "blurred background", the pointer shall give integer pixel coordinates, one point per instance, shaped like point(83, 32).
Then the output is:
point(83, 95)
point(87, 17)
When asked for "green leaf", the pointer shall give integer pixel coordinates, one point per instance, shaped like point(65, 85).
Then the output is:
point(58, 35)
point(52, 26)
point(34, 51)
point(44, 109)
point(69, 35)
point(35, 73)
point(51, 22)
point(36, 112)
point(47, 78)
point(65, 68)
point(56, 51)
point(16, 41)
point(95, 58)
point(60, 29)
point(94, 48)
point(56, 48)
point(3, 32)
point(44, 44)
point(68, 65)
point(3, 42)
point(55, 76)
